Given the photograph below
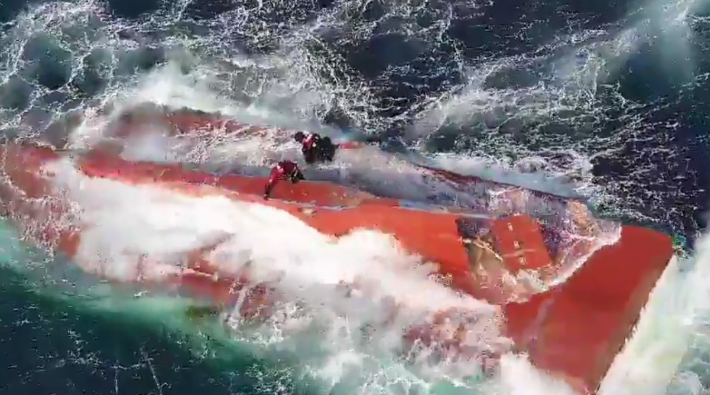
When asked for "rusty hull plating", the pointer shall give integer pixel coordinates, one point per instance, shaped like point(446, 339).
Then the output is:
point(573, 330)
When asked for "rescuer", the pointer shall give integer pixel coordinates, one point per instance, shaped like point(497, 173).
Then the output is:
point(284, 170)
point(315, 148)
point(321, 149)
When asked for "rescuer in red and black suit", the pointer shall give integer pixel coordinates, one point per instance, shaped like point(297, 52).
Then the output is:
point(321, 149)
point(315, 148)
point(284, 170)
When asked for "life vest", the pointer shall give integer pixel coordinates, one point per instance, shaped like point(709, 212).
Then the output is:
point(310, 141)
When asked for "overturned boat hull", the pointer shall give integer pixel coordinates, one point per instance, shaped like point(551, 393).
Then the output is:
point(563, 223)
point(573, 329)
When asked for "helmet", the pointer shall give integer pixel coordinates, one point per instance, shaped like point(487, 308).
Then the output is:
point(299, 136)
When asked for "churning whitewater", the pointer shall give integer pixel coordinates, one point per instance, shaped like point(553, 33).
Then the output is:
point(551, 96)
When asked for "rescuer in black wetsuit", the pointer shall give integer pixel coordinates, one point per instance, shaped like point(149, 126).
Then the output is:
point(321, 149)
point(315, 148)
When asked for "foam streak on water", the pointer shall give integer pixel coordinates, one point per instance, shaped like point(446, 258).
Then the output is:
point(305, 267)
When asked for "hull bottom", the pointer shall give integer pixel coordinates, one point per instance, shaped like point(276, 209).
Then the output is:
point(572, 330)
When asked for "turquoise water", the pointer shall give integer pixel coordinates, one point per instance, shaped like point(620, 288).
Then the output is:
point(57, 339)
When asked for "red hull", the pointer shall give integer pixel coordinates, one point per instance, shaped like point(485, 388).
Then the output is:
point(569, 228)
point(574, 330)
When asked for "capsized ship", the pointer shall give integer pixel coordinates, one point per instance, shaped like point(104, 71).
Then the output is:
point(565, 224)
point(569, 287)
